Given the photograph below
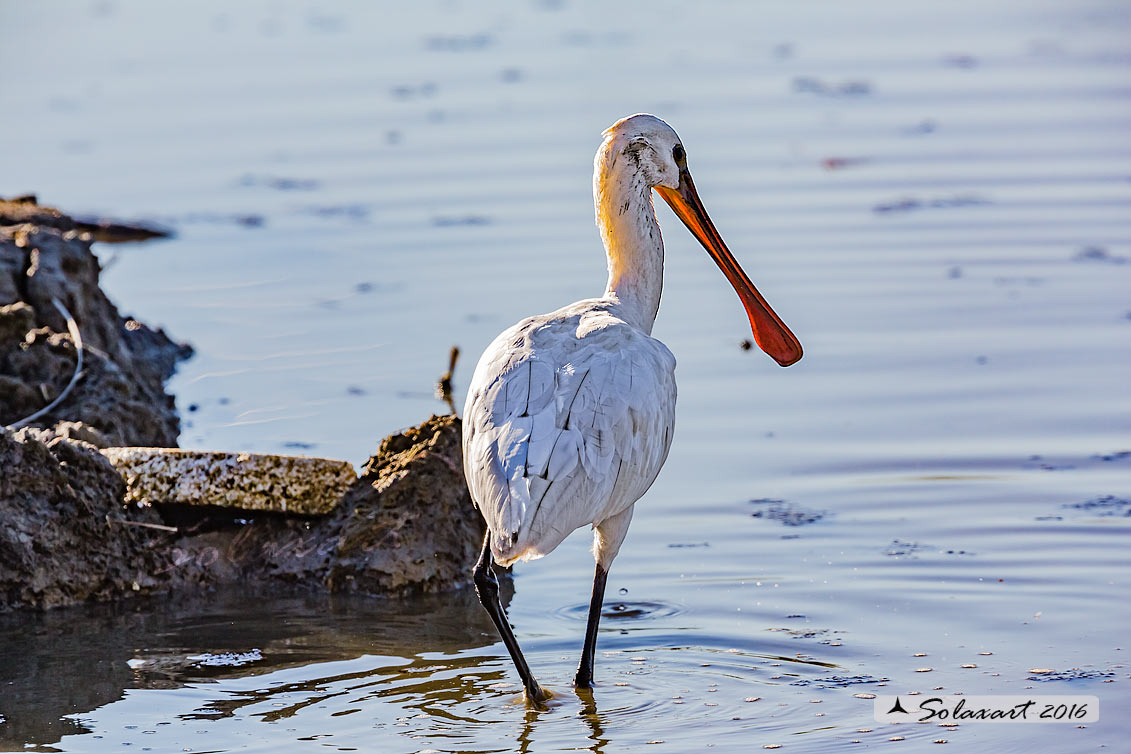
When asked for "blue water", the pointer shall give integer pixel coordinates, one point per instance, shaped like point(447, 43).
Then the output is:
point(934, 198)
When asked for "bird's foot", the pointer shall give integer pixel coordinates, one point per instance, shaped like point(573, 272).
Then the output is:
point(536, 695)
point(583, 680)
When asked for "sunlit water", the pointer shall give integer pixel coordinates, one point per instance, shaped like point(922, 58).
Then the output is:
point(936, 201)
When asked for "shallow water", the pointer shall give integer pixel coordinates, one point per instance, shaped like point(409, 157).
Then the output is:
point(935, 201)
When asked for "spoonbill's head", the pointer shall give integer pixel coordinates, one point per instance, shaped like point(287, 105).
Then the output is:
point(657, 156)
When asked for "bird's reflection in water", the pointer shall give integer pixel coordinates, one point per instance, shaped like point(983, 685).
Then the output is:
point(592, 718)
point(551, 712)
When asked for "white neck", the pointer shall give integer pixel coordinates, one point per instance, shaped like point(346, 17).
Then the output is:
point(631, 234)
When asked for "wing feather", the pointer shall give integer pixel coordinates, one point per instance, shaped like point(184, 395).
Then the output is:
point(568, 421)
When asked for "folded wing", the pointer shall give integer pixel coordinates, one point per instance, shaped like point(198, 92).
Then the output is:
point(568, 421)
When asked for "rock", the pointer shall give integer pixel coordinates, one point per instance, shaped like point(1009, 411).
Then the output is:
point(407, 526)
point(249, 481)
point(27, 210)
point(121, 393)
point(70, 529)
point(409, 523)
point(62, 539)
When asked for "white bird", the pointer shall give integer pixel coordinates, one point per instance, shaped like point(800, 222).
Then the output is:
point(570, 415)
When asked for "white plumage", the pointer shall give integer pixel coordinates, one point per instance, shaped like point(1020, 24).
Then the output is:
point(570, 415)
point(568, 421)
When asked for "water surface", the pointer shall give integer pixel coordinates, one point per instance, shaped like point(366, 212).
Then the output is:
point(936, 498)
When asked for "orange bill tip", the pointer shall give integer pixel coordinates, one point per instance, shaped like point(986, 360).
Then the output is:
point(770, 333)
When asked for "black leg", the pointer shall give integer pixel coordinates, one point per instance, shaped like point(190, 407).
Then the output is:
point(487, 587)
point(584, 677)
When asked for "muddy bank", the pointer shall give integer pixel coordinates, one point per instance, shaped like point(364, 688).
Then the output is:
point(406, 526)
point(69, 532)
point(45, 257)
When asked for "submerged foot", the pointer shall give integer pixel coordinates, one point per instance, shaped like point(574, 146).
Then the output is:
point(537, 695)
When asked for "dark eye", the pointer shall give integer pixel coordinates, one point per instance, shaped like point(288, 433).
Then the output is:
point(677, 153)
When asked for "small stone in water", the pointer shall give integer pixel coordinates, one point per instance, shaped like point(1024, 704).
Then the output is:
point(1041, 671)
point(969, 665)
point(752, 699)
point(865, 696)
point(923, 670)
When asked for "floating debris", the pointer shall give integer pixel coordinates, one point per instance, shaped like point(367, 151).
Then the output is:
point(786, 513)
point(356, 212)
point(839, 163)
point(226, 659)
point(912, 204)
point(801, 633)
point(410, 91)
point(1072, 674)
point(1105, 505)
point(960, 61)
point(921, 128)
point(1098, 254)
point(811, 85)
point(836, 681)
point(465, 220)
point(901, 549)
point(459, 42)
point(279, 183)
